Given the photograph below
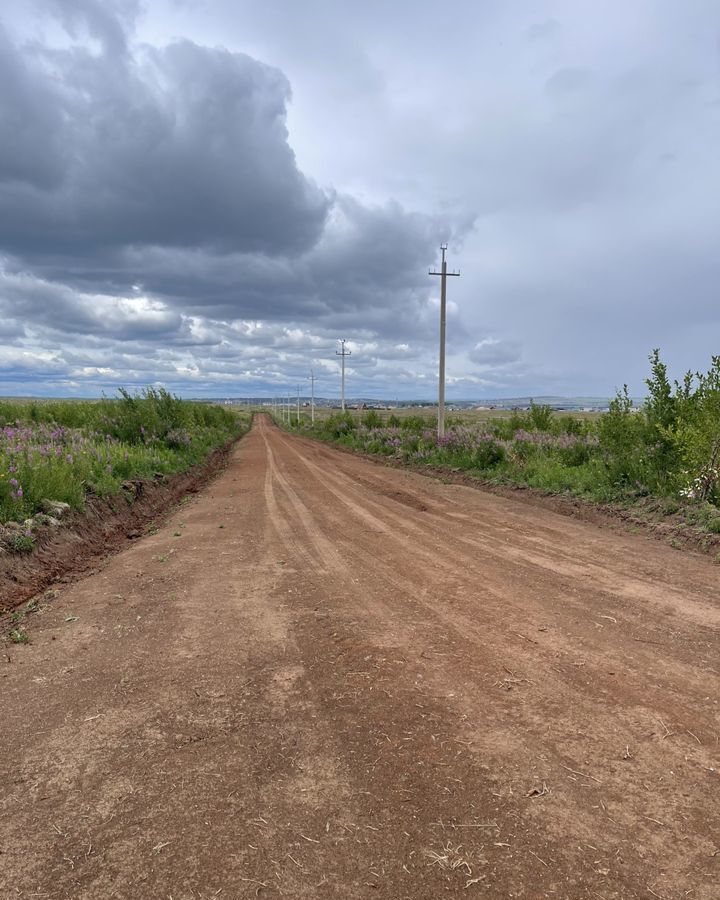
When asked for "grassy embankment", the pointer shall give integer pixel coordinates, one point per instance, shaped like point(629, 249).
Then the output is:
point(65, 450)
point(663, 460)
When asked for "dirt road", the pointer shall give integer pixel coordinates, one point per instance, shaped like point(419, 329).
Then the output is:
point(325, 678)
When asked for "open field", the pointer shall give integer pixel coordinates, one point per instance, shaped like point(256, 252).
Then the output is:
point(59, 452)
point(327, 678)
point(460, 416)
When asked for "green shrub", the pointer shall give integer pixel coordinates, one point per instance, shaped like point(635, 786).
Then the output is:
point(371, 419)
point(575, 455)
point(411, 444)
point(522, 451)
point(569, 425)
point(416, 423)
point(21, 543)
point(488, 455)
point(338, 424)
point(540, 417)
point(623, 441)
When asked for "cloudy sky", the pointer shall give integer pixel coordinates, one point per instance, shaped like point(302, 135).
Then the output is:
point(207, 194)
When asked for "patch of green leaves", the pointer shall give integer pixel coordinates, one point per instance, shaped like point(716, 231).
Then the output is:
point(21, 543)
point(17, 636)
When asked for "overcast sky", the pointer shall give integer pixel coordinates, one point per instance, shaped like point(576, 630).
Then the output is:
point(206, 194)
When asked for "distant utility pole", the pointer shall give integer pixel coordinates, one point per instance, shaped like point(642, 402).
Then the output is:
point(312, 396)
point(443, 273)
point(287, 409)
point(298, 405)
point(342, 353)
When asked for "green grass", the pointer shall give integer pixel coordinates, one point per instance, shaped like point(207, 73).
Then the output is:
point(21, 543)
point(428, 413)
point(661, 461)
point(68, 450)
point(17, 636)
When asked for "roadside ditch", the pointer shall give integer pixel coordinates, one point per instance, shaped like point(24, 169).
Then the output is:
point(64, 552)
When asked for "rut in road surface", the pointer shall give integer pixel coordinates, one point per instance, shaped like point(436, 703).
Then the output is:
point(325, 678)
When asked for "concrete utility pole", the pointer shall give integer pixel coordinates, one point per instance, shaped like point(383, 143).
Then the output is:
point(342, 353)
point(312, 396)
point(298, 405)
point(443, 273)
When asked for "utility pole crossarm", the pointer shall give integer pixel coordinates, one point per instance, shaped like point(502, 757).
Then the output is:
point(447, 274)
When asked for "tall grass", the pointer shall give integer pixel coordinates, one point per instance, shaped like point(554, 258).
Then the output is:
point(64, 450)
point(669, 449)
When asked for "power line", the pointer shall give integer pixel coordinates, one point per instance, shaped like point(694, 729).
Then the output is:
point(443, 273)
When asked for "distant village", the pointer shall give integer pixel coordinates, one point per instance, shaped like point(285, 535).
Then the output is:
point(559, 404)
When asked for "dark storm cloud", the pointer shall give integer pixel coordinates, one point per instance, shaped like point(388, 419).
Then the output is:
point(31, 150)
point(371, 265)
point(11, 328)
point(368, 271)
point(183, 146)
point(166, 173)
point(56, 307)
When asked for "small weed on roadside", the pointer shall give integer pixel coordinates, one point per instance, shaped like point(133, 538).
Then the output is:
point(21, 543)
point(19, 637)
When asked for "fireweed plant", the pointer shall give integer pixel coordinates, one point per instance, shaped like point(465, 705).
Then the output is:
point(666, 452)
point(67, 450)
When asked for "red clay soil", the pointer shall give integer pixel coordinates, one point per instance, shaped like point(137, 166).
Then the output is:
point(105, 525)
point(640, 517)
point(324, 678)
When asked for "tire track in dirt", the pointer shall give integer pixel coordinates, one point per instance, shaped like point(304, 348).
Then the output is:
point(546, 555)
point(341, 681)
point(698, 608)
point(428, 560)
point(702, 759)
